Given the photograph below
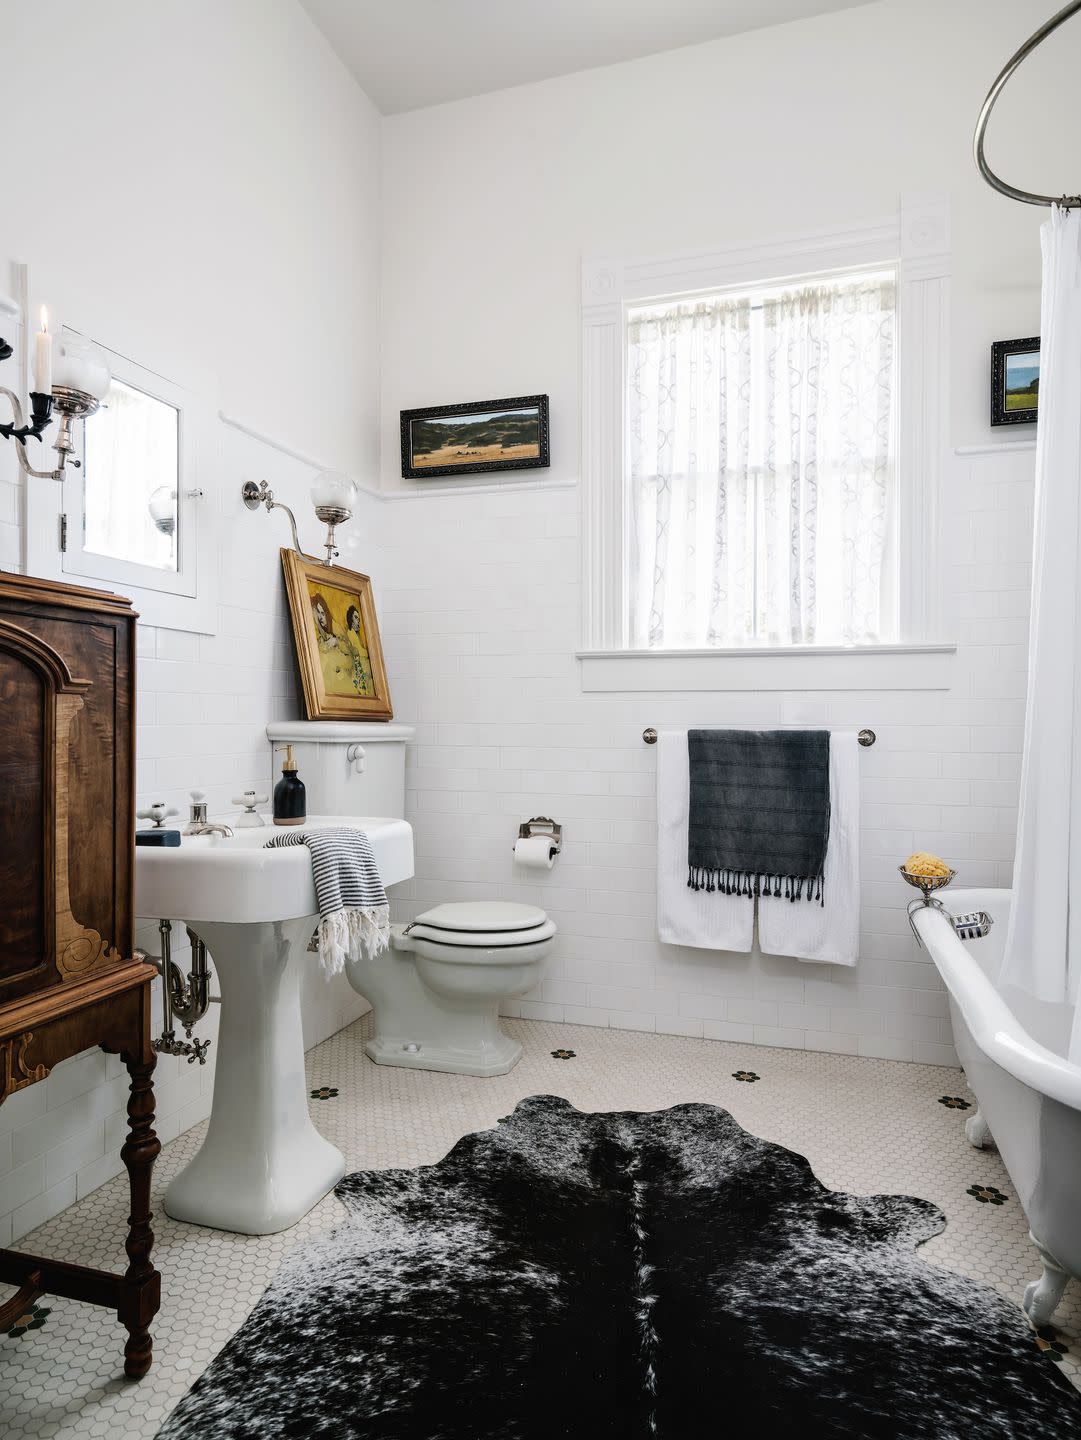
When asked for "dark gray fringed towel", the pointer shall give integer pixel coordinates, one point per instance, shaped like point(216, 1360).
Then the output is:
point(759, 811)
point(353, 911)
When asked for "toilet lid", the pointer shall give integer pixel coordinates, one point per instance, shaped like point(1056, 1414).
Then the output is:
point(488, 916)
point(482, 924)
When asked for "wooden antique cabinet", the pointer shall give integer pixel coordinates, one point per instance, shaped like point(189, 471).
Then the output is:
point(69, 978)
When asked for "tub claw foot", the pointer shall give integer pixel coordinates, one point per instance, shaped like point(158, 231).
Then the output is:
point(977, 1131)
point(1043, 1295)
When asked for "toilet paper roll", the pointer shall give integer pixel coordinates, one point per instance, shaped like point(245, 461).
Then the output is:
point(537, 852)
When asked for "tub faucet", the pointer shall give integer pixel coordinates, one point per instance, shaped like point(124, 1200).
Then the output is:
point(197, 821)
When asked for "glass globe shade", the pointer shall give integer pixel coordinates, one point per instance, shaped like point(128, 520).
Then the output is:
point(78, 364)
point(333, 490)
point(162, 507)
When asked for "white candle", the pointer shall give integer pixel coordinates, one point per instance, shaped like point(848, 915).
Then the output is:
point(43, 357)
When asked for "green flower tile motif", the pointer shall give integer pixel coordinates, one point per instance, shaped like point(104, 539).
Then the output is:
point(987, 1194)
point(32, 1319)
point(325, 1092)
point(746, 1075)
point(1048, 1343)
point(563, 1055)
point(954, 1102)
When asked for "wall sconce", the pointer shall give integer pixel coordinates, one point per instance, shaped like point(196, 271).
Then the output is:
point(70, 380)
point(333, 496)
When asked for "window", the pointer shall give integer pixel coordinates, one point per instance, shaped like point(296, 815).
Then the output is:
point(759, 467)
point(816, 564)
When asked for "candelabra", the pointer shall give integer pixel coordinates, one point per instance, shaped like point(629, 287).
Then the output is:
point(68, 402)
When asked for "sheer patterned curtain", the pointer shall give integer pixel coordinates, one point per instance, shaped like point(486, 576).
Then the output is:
point(760, 467)
point(691, 567)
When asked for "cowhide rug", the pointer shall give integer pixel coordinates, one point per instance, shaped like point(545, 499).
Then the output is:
point(624, 1276)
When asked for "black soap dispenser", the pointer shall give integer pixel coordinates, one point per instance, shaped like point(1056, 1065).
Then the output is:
point(290, 799)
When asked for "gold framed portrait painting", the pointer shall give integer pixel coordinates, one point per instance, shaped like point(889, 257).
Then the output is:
point(337, 641)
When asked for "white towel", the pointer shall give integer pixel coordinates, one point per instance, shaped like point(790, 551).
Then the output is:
point(685, 916)
point(830, 932)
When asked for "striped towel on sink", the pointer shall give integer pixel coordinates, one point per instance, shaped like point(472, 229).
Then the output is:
point(354, 917)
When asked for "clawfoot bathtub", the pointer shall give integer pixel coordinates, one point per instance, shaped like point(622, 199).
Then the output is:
point(1014, 1048)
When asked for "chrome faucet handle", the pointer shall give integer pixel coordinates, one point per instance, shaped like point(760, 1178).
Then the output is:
point(159, 812)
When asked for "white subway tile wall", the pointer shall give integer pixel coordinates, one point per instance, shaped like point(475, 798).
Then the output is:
point(478, 603)
point(480, 621)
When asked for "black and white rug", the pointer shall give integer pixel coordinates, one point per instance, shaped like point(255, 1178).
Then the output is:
point(624, 1276)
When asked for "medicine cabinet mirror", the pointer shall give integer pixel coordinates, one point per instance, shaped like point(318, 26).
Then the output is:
point(136, 514)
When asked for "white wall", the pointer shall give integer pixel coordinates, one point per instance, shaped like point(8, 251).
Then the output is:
point(748, 140)
point(219, 214)
point(761, 136)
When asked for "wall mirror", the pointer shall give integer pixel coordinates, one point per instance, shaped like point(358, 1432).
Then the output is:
point(135, 515)
point(132, 477)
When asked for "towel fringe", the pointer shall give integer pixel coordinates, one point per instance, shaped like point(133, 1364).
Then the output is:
point(740, 882)
point(353, 932)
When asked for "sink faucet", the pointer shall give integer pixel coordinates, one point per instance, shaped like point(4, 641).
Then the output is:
point(198, 823)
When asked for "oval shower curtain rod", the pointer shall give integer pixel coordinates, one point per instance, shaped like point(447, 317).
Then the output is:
point(1011, 191)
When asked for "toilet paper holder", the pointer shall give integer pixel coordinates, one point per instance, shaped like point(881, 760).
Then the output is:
point(542, 825)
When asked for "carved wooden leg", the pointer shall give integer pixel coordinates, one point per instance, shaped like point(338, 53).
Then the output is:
point(142, 1283)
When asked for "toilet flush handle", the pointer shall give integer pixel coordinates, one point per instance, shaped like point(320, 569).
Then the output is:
point(355, 756)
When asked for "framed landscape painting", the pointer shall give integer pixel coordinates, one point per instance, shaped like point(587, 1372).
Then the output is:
point(1015, 381)
point(475, 438)
point(337, 642)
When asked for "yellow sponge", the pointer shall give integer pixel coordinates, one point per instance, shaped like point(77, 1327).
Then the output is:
point(921, 862)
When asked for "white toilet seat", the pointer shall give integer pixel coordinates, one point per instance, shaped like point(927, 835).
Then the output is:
point(481, 925)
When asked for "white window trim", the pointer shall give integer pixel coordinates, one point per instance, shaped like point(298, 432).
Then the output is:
point(917, 241)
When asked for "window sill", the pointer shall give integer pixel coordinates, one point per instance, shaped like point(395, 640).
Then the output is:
point(864, 667)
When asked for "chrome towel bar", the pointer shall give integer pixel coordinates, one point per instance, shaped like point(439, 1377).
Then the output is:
point(865, 737)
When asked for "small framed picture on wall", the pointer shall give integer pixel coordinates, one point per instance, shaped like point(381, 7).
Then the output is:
point(475, 438)
point(1015, 381)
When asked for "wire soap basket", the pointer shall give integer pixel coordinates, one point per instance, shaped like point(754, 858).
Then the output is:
point(927, 884)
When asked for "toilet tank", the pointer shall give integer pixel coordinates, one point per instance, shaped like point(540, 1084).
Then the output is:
point(349, 767)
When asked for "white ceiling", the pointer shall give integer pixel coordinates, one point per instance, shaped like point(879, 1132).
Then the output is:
point(410, 53)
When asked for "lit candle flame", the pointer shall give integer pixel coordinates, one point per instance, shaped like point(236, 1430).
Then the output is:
point(44, 321)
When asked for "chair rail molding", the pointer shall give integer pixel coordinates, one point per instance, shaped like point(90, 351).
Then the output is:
point(916, 240)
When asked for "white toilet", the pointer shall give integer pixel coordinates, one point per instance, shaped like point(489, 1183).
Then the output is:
point(436, 993)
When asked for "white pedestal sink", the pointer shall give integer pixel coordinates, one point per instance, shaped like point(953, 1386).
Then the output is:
point(263, 1164)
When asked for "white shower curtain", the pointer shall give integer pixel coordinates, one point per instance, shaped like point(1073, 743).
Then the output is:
point(1043, 941)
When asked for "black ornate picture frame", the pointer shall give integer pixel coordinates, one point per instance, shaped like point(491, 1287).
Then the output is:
point(1015, 381)
point(475, 438)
